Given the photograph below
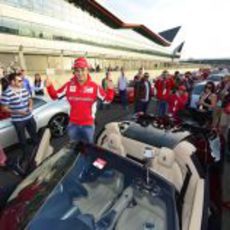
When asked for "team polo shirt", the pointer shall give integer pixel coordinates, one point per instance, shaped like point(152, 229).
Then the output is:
point(17, 101)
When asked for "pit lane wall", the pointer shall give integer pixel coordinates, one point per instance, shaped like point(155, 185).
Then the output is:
point(36, 55)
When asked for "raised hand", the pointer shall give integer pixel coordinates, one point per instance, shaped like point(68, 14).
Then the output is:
point(48, 82)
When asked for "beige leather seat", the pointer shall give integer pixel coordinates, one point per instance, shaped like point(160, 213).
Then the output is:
point(165, 165)
point(44, 149)
point(194, 196)
point(111, 139)
point(114, 143)
point(197, 207)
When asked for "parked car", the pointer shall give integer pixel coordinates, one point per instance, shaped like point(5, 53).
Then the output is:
point(54, 114)
point(196, 92)
point(130, 93)
point(216, 77)
point(193, 164)
point(90, 189)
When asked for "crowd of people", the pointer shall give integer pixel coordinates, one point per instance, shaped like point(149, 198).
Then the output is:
point(170, 94)
point(35, 87)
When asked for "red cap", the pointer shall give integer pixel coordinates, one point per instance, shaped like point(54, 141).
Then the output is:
point(80, 62)
point(182, 87)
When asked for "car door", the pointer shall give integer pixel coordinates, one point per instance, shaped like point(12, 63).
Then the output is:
point(40, 111)
point(7, 133)
point(7, 130)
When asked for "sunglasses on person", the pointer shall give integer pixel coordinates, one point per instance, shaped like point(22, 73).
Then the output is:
point(19, 80)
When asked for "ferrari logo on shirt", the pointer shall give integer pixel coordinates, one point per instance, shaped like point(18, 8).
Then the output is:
point(72, 88)
point(88, 90)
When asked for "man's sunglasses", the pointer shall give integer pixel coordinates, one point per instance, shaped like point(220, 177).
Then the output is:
point(19, 80)
point(208, 87)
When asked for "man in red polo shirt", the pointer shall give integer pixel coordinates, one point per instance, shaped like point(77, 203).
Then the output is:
point(163, 85)
point(178, 100)
point(82, 94)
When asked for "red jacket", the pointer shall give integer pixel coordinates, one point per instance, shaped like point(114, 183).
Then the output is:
point(171, 83)
point(82, 99)
point(163, 87)
point(177, 102)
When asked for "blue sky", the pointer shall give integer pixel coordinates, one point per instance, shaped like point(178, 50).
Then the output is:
point(204, 22)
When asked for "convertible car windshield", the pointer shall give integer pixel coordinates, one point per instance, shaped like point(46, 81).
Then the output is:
point(92, 190)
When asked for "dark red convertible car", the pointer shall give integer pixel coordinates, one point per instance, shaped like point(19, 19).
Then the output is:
point(149, 173)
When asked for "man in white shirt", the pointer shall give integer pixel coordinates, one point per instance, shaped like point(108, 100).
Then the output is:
point(122, 87)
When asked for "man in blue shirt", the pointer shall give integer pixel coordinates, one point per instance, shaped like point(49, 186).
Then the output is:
point(16, 100)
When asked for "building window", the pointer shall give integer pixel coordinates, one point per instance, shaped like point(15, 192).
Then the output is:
point(9, 25)
point(25, 29)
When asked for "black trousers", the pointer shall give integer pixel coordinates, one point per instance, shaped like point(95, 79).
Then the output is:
point(123, 97)
point(21, 127)
point(142, 106)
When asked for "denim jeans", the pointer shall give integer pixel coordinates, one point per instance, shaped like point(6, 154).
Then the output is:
point(162, 108)
point(21, 127)
point(123, 97)
point(84, 133)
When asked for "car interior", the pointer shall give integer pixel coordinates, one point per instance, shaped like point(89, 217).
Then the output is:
point(92, 198)
point(175, 165)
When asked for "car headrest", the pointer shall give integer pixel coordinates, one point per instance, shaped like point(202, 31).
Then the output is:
point(185, 147)
point(112, 128)
point(115, 144)
point(166, 157)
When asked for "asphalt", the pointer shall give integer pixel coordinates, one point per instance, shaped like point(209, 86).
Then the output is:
point(116, 113)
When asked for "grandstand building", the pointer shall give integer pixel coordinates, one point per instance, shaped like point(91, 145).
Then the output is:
point(41, 34)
